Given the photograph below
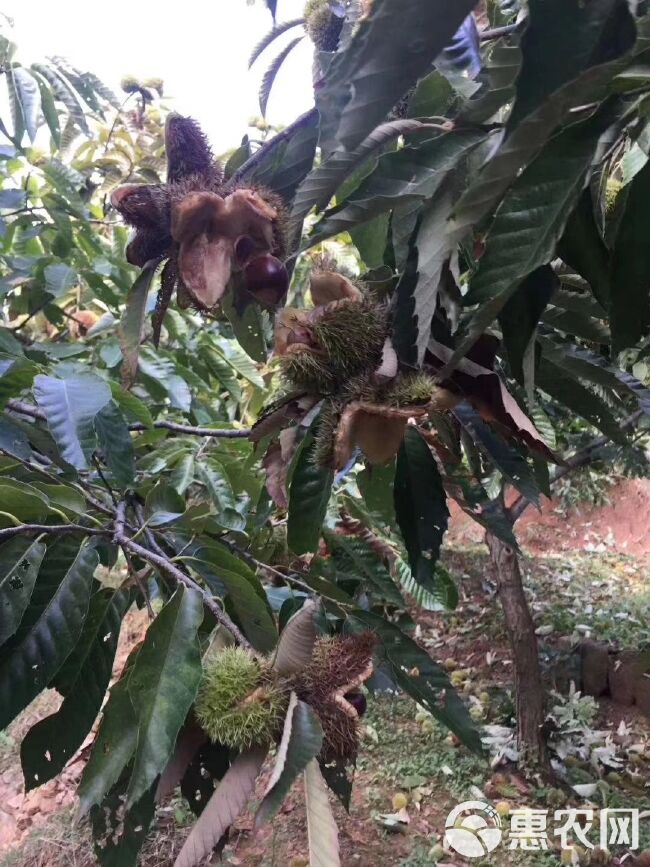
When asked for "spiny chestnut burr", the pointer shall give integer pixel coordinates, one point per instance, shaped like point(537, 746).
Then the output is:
point(267, 279)
point(357, 700)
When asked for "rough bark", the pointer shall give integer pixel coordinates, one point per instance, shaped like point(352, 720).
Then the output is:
point(529, 691)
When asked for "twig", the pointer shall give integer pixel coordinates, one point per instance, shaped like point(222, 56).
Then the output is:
point(189, 430)
point(110, 490)
point(498, 32)
point(163, 562)
point(577, 461)
point(51, 529)
point(290, 579)
point(268, 147)
point(138, 580)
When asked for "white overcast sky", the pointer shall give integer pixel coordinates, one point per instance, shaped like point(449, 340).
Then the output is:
point(200, 48)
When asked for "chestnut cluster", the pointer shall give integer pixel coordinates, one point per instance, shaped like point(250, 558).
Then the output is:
point(206, 230)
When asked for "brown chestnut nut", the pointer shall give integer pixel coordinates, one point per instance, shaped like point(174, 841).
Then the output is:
point(266, 278)
point(357, 700)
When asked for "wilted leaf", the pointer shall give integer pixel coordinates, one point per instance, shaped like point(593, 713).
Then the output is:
point(321, 825)
point(224, 807)
point(297, 640)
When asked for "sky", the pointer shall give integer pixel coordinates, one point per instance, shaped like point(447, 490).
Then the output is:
point(200, 49)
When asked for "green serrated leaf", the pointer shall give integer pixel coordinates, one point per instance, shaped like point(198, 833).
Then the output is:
point(309, 495)
point(114, 744)
point(60, 278)
point(376, 485)
point(20, 560)
point(520, 316)
point(246, 595)
point(52, 742)
point(408, 175)
point(131, 405)
point(390, 50)
point(119, 833)
point(14, 441)
point(630, 300)
point(29, 99)
point(564, 386)
point(116, 443)
point(530, 221)
point(22, 501)
point(272, 71)
point(322, 182)
point(212, 473)
point(301, 741)
point(583, 248)
point(286, 164)
point(163, 685)
point(508, 461)
point(420, 505)
point(15, 376)
point(70, 407)
point(561, 40)
point(419, 676)
point(31, 664)
point(354, 556)
point(132, 323)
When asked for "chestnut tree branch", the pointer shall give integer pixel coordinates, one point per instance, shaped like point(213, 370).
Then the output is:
point(162, 562)
point(186, 429)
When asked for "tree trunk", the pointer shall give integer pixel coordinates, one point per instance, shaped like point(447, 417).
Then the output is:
point(531, 740)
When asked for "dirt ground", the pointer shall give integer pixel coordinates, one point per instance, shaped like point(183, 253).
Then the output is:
point(621, 526)
point(402, 753)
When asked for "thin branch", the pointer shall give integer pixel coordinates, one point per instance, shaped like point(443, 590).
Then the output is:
point(105, 481)
point(165, 564)
point(580, 459)
point(498, 32)
point(133, 572)
point(289, 579)
point(191, 430)
point(268, 147)
point(51, 529)
point(186, 429)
